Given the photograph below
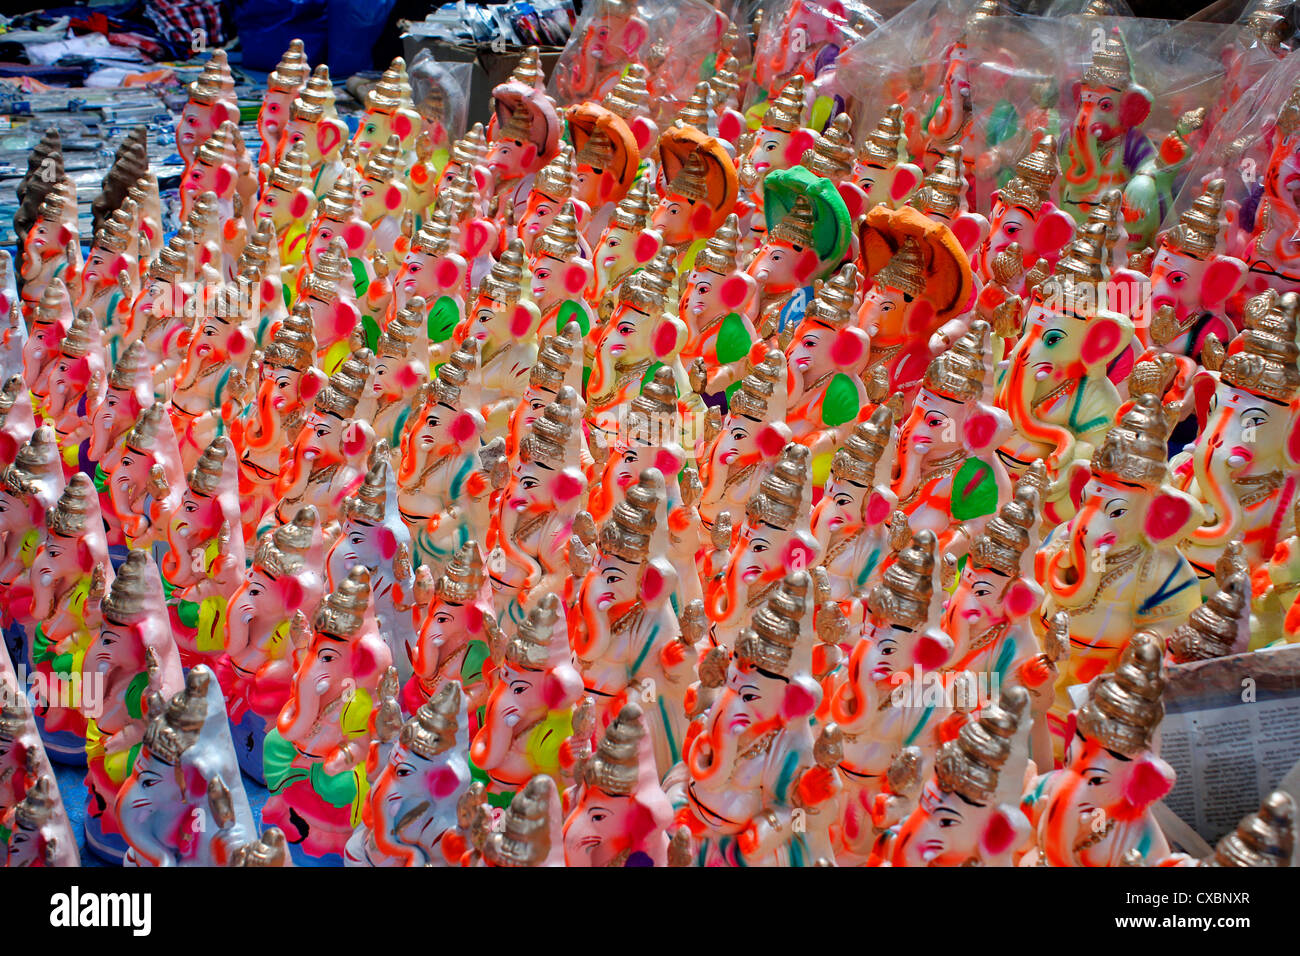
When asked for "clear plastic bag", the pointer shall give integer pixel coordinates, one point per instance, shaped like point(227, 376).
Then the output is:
point(441, 93)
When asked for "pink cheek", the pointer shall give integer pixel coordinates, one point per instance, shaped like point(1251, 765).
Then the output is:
point(520, 322)
point(462, 428)
point(308, 387)
point(443, 783)
point(1019, 600)
point(446, 274)
point(354, 236)
point(387, 544)
point(474, 621)
point(846, 350)
point(393, 200)
point(797, 556)
point(646, 247)
point(877, 509)
point(732, 292)
point(354, 443)
point(999, 834)
point(566, 487)
point(1165, 516)
point(290, 593)
point(980, 429)
point(770, 442)
point(1100, 343)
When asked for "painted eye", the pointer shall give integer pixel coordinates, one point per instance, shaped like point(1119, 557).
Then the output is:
point(612, 242)
point(1117, 513)
point(749, 698)
point(1053, 337)
point(947, 822)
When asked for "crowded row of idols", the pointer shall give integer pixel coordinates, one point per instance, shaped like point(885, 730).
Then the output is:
point(586, 493)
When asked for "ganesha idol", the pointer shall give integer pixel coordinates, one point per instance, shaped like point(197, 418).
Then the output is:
point(968, 813)
point(1271, 252)
point(1097, 809)
point(1025, 215)
point(315, 756)
point(287, 382)
point(808, 233)
point(619, 813)
point(559, 362)
point(203, 565)
point(30, 487)
point(1192, 281)
point(624, 626)
point(373, 535)
point(505, 325)
point(638, 335)
point(528, 717)
point(879, 170)
point(283, 86)
point(158, 316)
point(207, 384)
point(560, 274)
point(759, 788)
point(625, 244)
point(452, 644)
point(749, 440)
point(947, 477)
point(76, 387)
point(538, 509)
point(435, 272)
point(607, 156)
point(256, 671)
point(145, 486)
point(697, 186)
point(411, 815)
point(1055, 387)
point(439, 473)
point(827, 357)
point(1117, 566)
point(328, 461)
point(69, 573)
point(314, 122)
point(782, 138)
point(184, 803)
point(878, 700)
point(133, 656)
point(287, 200)
point(612, 38)
point(51, 250)
point(852, 521)
point(715, 308)
point(401, 367)
point(111, 254)
point(773, 539)
point(389, 112)
point(211, 103)
point(48, 324)
point(526, 137)
point(1242, 466)
point(36, 828)
point(921, 288)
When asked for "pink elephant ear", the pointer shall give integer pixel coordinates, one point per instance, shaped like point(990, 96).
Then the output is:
point(85, 560)
point(1221, 279)
point(668, 338)
point(906, 178)
point(401, 125)
point(387, 543)
point(1055, 228)
point(643, 132)
point(354, 234)
point(854, 198)
point(555, 690)
point(1167, 516)
point(443, 783)
point(701, 219)
point(312, 382)
point(770, 441)
point(521, 321)
point(344, 316)
point(932, 650)
point(566, 486)
point(448, 274)
point(1019, 599)
point(635, 34)
point(291, 593)
point(480, 178)
point(967, 230)
point(1134, 108)
point(299, 203)
point(878, 509)
point(328, 136)
point(731, 125)
point(463, 428)
point(850, 347)
point(999, 833)
point(646, 246)
point(1149, 780)
point(365, 660)
point(799, 701)
point(225, 179)
point(477, 235)
point(800, 142)
point(1103, 341)
point(576, 275)
point(733, 291)
point(354, 439)
point(653, 583)
point(1293, 440)
point(528, 155)
point(8, 448)
point(981, 430)
point(392, 197)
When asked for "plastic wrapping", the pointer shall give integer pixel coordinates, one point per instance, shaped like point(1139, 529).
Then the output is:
point(440, 90)
point(805, 37)
point(679, 41)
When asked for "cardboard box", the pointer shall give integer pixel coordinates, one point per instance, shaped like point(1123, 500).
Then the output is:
point(491, 67)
